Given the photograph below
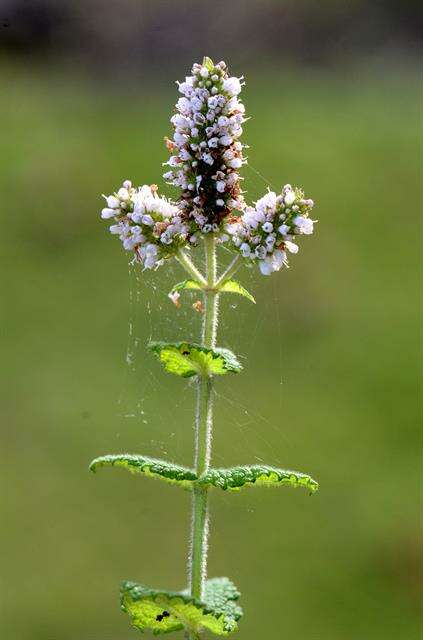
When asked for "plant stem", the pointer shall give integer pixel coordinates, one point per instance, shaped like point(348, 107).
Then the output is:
point(229, 272)
point(203, 430)
point(190, 267)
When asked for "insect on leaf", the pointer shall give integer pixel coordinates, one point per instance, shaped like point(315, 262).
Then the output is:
point(235, 478)
point(233, 286)
point(166, 611)
point(186, 360)
point(167, 471)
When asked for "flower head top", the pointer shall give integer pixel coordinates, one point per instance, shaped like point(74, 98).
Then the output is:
point(147, 224)
point(206, 155)
point(264, 233)
point(206, 151)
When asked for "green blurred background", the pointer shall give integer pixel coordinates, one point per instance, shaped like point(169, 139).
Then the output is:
point(330, 351)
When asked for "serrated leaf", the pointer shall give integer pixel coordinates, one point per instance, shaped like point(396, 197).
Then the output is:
point(167, 471)
point(166, 611)
point(233, 286)
point(221, 595)
point(186, 359)
point(236, 477)
point(186, 284)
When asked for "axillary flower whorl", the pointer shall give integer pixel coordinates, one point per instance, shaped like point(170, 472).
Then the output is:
point(264, 233)
point(206, 151)
point(150, 226)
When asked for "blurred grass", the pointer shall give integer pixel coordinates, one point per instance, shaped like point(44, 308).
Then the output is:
point(330, 382)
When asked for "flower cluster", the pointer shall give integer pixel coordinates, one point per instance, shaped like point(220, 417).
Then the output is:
point(206, 156)
point(150, 226)
point(206, 151)
point(265, 233)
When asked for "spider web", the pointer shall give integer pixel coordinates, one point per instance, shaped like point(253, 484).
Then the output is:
point(161, 407)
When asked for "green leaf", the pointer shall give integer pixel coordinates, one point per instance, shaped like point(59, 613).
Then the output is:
point(221, 595)
point(186, 359)
point(166, 611)
point(208, 63)
point(232, 286)
point(237, 477)
point(167, 471)
point(186, 284)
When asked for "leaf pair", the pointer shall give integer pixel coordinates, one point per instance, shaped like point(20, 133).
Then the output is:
point(229, 286)
point(167, 611)
point(187, 359)
point(233, 478)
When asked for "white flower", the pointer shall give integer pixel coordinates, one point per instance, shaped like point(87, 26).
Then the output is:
point(232, 86)
point(179, 121)
point(270, 241)
point(128, 243)
point(180, 138)
point(112, 202)
point(266, 267)
point(136, 217)
point(267, 227)
point(236, 163)
point(107, 213)
point(289, 195)
point(291, 246)
point(166, 238)
point(184, 106)
point(267, 202)
point(213, 102)
point(225, 141)
point(278, 259)
point(245, 250)
point(304, 225)
point(208, 158)
point(123, 193)
point(260, 251)
point(196, 104)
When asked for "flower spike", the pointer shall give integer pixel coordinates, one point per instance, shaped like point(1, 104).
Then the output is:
point(206, 151)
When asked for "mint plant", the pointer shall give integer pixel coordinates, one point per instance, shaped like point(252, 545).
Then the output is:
point(209, 216)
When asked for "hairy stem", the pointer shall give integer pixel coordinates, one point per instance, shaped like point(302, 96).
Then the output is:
point(190, 267)
point(229, 272)
point(203, 430)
